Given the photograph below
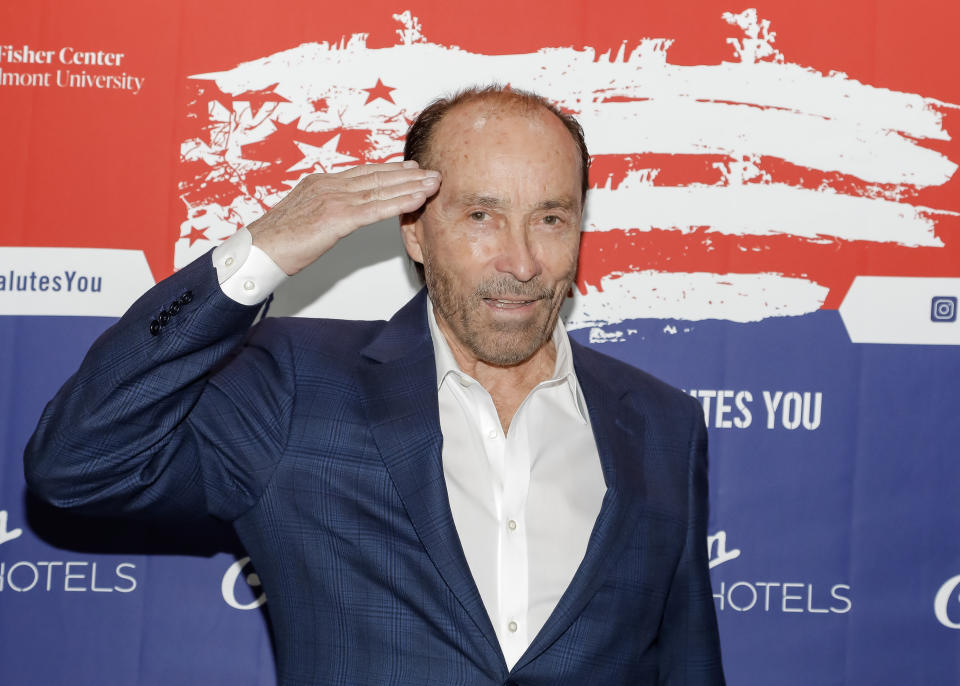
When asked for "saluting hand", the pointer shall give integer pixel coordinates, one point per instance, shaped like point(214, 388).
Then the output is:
point(323, 208)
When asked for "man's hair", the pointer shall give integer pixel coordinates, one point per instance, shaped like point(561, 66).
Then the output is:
point(420, 133)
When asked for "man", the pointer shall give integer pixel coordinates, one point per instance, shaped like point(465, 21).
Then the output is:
point(461, 495)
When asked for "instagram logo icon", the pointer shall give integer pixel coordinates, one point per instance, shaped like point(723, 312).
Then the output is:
point(943, 308)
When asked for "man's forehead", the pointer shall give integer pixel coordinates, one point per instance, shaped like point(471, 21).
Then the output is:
point(505, 153)
point(490, 122)
point(482, 116)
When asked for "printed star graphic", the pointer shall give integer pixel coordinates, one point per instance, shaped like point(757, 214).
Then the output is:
point(277, 146)
point(321, 158)
point(286, 130)
point(259, 98)
point(196, 235)
point(381, 91)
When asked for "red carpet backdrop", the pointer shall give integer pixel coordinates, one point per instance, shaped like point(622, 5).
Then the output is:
point(773, 225)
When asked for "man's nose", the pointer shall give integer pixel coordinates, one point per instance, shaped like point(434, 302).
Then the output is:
point(517, 256)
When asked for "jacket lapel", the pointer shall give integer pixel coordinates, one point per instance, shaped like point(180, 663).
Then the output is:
point(619, 436)
point(399, 390)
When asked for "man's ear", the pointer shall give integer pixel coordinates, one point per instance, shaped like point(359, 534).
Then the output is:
point(411, 230)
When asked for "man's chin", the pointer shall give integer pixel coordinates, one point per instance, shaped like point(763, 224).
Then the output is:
point(510, 343)
point(508, 357)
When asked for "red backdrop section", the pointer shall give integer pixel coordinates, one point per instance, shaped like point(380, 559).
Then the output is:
point(93, 168)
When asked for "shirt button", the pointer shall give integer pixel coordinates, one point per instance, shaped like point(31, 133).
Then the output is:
point(492, 433)
point(228, 262)
point(513, 627)
point(249, 285)
point(512, 525)
point(464, 381)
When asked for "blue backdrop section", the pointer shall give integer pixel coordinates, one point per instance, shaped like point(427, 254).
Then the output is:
point(845, 531)
point(834, 520)
point(96, 601)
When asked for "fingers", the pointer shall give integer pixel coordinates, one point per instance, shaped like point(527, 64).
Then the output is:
point(365, 169)
point(381, 181)
point(386, 189)
point(378, 210)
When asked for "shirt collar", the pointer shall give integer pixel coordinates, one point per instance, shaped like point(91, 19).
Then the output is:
point(563, 371)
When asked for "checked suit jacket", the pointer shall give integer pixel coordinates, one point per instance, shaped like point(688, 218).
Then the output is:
point(320, 441)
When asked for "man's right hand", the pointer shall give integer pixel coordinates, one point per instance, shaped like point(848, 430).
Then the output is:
point(323, 208)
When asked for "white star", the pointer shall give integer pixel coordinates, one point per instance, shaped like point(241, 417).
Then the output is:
point(323, 158)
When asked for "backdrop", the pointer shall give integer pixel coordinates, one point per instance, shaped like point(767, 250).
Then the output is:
point(772, 226)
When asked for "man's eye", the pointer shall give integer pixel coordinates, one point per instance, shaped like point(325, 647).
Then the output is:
point(551, 219)
point(478, 216)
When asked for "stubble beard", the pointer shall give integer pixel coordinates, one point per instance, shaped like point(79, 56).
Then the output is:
point(503, 344)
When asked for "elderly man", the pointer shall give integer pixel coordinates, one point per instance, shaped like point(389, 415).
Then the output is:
point(461, 495)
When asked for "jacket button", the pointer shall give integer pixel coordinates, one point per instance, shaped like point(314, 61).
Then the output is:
point(154, 327)
point(174, 307)
point(186, 297)
point(163, 318)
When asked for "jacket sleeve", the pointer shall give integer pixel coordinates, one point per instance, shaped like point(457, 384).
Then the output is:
point(178, 410)
point(689, 641)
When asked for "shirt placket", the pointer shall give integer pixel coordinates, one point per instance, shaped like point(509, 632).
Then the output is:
point(510, 462)
point(513, 540)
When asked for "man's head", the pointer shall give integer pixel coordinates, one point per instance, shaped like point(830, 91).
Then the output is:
point(499, 240)
point(420, 133)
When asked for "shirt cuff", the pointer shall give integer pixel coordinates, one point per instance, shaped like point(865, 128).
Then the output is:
point(246, 273)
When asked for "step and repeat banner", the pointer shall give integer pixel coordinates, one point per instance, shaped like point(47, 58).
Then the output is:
point(773, 225)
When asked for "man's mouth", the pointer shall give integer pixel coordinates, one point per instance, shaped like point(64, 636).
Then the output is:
point(508, 303)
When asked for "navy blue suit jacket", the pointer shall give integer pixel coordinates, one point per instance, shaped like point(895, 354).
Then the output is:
point(320, 441)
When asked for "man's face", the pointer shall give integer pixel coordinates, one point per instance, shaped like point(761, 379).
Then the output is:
point(499, 240)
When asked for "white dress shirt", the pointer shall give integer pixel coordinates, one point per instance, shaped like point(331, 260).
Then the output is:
point(524, 504)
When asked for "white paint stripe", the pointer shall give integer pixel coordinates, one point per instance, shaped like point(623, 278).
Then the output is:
point(575, 77)
point(684, 126)
point(694, 296)
point(785, 86)
point(761, 210)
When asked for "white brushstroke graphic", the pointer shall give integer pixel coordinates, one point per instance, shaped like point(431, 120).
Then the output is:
point(759, 210)
point(632, 102)
point(693, 297)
